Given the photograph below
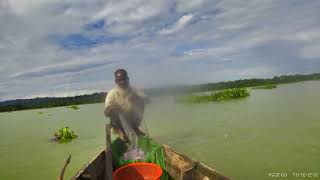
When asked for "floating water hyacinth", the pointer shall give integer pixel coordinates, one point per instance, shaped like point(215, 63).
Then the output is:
point(64, 135)
point(74, 107)
point(226, 94)
point(233, 93)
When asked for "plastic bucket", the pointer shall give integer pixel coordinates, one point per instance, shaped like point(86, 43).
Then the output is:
point(138, 171)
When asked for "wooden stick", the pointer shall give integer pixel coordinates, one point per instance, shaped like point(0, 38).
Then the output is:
point(108, 155)
point(64, 167)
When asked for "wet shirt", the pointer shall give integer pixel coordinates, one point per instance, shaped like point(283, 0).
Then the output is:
point(131, 101)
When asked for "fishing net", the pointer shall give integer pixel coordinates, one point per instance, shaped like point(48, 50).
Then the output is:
point(153, 153)
point(128, 129)
point(135, 145)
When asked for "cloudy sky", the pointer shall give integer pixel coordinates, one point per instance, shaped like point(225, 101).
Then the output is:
point(68, 47)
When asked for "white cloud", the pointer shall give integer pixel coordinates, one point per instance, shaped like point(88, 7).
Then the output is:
point(233, 46)
point(180, 24)
point(220, 39)
point(306, 35)
point(189, 5)
point(127, 16)
point(311, 52)
point(135, 10)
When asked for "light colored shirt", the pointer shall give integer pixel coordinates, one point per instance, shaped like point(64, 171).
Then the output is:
point(131, 101)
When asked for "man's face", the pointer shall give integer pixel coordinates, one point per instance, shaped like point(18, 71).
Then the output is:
point(122, 80)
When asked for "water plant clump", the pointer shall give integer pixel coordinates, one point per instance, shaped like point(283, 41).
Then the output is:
point(74, 107)
point(64, 135)
point(267, 86)
point(226, 94)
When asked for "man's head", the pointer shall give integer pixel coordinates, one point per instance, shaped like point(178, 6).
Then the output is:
point(121, 78)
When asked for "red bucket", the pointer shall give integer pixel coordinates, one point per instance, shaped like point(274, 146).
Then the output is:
point(138, 171)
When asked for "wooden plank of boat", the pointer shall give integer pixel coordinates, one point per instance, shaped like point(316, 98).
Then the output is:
point(182, 167)
point(179, 166)
point(94, 170)
point(101, 166)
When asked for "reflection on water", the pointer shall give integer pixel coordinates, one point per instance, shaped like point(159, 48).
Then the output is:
point(271, 131)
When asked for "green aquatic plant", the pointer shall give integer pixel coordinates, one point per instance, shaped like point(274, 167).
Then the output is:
point(233, 93)
point(226, 94)
point(40, 113)
point(267, 86)
point(64, 135)
point(74, 107)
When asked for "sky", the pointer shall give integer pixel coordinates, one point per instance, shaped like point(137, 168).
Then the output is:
point(73, 47)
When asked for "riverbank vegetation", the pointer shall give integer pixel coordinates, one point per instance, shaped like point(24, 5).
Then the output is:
point(47, 102)
point(267, 86)
point(222, 95)
point(64, 135)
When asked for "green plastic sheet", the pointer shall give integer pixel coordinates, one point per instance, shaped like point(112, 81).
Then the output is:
point(153, 153)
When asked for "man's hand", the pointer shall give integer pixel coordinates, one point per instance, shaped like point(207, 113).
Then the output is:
point(111, 109)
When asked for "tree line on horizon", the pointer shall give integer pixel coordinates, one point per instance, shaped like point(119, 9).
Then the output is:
point(47, 102)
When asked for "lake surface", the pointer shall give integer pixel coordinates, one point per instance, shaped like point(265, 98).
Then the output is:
point(271, 131)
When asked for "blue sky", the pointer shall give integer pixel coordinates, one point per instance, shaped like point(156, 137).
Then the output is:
point(71, 47)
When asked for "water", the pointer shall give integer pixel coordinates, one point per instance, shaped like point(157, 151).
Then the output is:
point(272, 131)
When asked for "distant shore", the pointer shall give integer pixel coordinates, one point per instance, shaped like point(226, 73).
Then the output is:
point(48, 102)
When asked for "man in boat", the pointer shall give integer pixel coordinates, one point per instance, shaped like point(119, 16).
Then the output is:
point(125, 100)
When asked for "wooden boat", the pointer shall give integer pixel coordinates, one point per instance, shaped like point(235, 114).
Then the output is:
point(179, 166)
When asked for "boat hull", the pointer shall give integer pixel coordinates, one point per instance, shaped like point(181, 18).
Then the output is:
point(179, 166)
